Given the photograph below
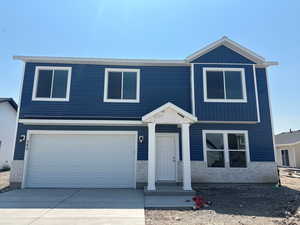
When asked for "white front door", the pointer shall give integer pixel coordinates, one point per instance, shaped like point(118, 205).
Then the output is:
point(166, 156)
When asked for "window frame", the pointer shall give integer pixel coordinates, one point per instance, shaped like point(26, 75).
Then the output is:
point(226, 147)
point(106, 99)
point(218, 69)
point(36, 78)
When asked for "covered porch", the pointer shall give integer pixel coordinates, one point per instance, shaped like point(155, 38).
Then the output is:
point(163, 149)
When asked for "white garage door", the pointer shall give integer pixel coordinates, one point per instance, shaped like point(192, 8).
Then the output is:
point(90, 160)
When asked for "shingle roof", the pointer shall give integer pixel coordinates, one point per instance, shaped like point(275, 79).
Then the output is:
point(11, 101)
point(287, 137)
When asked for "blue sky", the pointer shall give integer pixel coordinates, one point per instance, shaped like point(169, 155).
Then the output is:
point(169, 29)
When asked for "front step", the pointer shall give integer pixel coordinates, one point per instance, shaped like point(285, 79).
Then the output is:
point(168, 190)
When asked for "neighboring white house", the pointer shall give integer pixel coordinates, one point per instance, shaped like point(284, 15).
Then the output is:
point(288, 148)
point(8, 116)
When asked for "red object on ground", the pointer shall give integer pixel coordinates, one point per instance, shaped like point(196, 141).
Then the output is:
point(199, 202)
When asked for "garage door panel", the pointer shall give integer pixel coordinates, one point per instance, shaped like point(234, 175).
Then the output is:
point(76, 160)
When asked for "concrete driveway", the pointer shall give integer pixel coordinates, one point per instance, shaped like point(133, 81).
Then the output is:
point(72, 206)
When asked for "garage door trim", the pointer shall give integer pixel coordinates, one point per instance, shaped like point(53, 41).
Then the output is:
point(79, 132)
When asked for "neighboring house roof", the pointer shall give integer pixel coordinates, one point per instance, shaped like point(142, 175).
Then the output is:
point(287, 138)
point(10, 101)
point(259, 60)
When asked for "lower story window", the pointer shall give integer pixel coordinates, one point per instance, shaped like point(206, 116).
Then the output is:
point(226, 148)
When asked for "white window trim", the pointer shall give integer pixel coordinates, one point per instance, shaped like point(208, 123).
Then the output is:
point(35, 83)
point(137, 71)
point(226, 149)
point(242, 70)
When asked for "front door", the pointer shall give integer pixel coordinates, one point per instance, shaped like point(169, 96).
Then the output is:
point(166, 156)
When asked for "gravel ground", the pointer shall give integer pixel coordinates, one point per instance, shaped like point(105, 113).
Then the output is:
point(231, 204)
point(239, 205)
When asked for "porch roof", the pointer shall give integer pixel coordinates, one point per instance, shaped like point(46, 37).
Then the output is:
point(169, 114)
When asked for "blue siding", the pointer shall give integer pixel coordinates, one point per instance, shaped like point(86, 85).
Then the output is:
point(158, 86)
point(225, 111)
point(222, 54)
point(260, 135)
point(142, 131)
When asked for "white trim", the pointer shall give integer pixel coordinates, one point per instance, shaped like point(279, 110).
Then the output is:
point(172, 106)
point(233, 64)
point(186, 158)
point(151, 178)
point(111, 122)
point(256, 94)
point(53, 68)
point(102, 61)
point(261, 65)
point(271, 115)
point(266, 64)
point(227, 122)
point(289, 144)
point(193, 89)
point(80, 122)
point(137, 71)
point(81, 132)
point(125, 62)
point(176, 136)
point(226, 150)
point(49, 132)
point(230, 44)
point(225, 100)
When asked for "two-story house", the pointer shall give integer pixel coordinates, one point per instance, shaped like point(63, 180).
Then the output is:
point(123, 123)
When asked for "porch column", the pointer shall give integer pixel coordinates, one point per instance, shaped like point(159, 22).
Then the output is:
point(151, 156)
point(186, 161)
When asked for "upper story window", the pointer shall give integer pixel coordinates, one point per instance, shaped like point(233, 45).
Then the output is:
point(224, 85)
point(51, 83)
point(226, 148)
point(122, 85)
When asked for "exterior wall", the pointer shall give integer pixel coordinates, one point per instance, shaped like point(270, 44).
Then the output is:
point(260, 134)
point(256, 172)
point(222, 54)
point(210, 111)
point(16, 175)
point(8, 117)
point(87, 89)
point(261, 153)
point(142, 131)
point(297, 153)
point(159, 85)
point(294, 155)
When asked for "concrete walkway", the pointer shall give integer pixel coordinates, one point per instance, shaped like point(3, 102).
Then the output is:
point(72, 206)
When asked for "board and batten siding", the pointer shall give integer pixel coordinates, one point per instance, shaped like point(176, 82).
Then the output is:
point(260, 134)
point(222, 54)
point(221, 111)
point(158, 85)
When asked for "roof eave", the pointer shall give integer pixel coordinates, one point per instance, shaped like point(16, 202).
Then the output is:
point(100, 61)
point(230, 44)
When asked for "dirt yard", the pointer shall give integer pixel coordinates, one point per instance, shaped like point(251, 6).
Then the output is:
point(231, 204)
point(239, 205)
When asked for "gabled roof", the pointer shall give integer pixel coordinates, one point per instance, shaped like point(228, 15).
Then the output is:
point(247, 53)
point(10, 101)
point(259, 60)
point(182, 113)
point(288, 138)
